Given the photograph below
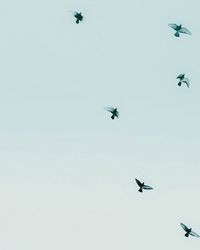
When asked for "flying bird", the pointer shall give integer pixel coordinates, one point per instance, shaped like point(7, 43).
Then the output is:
point(78, 17)
point(183, 79)
point(189, 231)
point(142, 186)
point(113, 111)
point(179, 29)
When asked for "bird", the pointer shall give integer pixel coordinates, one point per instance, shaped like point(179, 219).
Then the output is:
point(179, 29)
point(142, 186)
point(189, 231)
point(78, 16)
point(113, 111)
point(183, 79)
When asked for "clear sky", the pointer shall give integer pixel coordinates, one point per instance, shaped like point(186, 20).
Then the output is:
point(66, 169)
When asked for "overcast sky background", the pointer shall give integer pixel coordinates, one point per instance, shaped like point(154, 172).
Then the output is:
point(66, 169)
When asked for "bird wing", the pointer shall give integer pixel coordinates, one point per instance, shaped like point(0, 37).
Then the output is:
point(185, 31)
point(187, 81)
point(147, 187)
point(184, 227)
point(76, 14)
point(194, 234)
point(138, 182)
point(109, 109)
point(117, 114)
point(173, 26)
point(180, 76)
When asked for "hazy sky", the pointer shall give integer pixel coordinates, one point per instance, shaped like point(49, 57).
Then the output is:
point(66, 169)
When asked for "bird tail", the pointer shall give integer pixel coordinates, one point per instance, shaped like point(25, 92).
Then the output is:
point(140, 190)
point(177, 34)
point(113, 117)
point(187, 235)
point(77, 21)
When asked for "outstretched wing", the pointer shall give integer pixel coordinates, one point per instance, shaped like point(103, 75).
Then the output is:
point(180, 76)
point(173, 26)
point(184, 227)
point(138, 182)
point(147, 187)
point(187, 81)
point(109, 109)
point(194, 234)
point(117, 114)
point(76, 14)
point(185, 31)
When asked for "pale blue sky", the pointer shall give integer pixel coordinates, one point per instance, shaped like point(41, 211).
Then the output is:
point(66, 169)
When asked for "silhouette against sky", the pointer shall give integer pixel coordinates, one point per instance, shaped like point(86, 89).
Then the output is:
point(66, 169)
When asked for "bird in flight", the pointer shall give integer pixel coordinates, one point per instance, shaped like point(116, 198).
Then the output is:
point(78, 17)
point(142, 186)
point(179, 29)
point(189, 231)
point(183, 79)
point(113, 111)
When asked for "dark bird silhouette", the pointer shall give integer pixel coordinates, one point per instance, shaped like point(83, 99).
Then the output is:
point(189, 231)
point(78, 17)
point(183, 79)
point(179, 29)
point(142, 186)
point(113, 111)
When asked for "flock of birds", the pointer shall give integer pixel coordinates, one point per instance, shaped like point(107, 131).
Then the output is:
point(115, 113)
